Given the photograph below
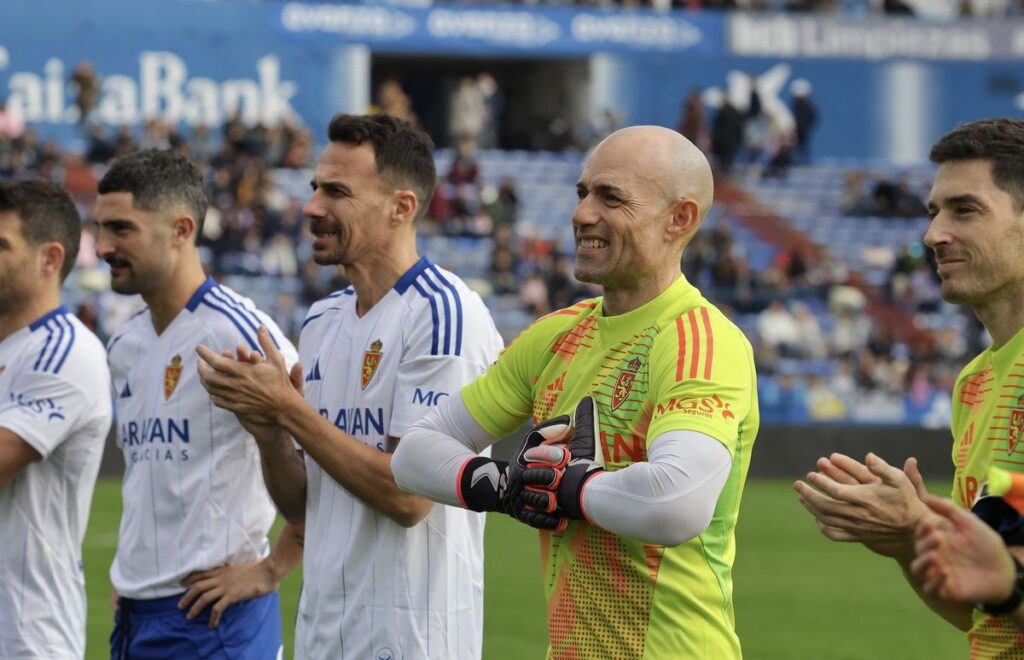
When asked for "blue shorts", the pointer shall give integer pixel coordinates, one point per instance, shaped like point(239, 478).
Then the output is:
point(157, 630)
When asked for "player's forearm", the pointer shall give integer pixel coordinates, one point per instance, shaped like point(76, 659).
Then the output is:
point(362, 470)
point(667, 500)
point(957, 614)
point(430, 458)
point(287, 551)
point(284, 474)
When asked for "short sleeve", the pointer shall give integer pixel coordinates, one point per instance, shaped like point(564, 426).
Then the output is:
point(502, 398)
point(702, 374)
point(43, 409)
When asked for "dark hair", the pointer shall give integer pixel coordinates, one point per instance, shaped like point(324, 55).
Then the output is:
point(159, 180)
point(47, 215)
point(998, 141)
point(404, 153)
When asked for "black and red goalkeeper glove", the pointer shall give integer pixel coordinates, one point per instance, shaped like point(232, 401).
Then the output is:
point(556, 474)
point(489, 485)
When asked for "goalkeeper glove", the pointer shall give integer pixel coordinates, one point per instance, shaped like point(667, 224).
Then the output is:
point(488, 485)
point(556, 475)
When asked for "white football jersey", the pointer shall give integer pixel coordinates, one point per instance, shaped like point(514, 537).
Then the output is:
point(372, 588)
point(193, 490)
point(54, 395)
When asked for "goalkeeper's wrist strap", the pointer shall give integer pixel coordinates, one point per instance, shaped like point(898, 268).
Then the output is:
point(1011, 604)
point(480, 484)
point(570, 490)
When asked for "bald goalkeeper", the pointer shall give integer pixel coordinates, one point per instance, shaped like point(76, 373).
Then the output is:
point(644, 402)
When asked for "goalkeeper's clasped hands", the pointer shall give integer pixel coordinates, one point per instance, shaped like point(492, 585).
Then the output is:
point(543, 485)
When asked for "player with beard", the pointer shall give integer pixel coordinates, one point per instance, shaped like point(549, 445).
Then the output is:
point(386, 574)
point(192, 570)
point(54, 419)
point(977, 234)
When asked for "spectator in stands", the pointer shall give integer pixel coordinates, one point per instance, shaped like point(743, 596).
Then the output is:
point(494, 105)
point(101, 149)
point(504, 208)
point(691, 122)
point(805, 115)
point(12, 126)
point(778, 331)
point(812, 340)
point(467, 111)
point(86, 84)
point(727, 135)
point(853, 200)
point(823, 404)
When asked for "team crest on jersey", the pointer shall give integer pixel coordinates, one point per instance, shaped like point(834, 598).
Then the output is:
point(1016, 426)
point(371, 360)
point(624, 383)
point(172, 374)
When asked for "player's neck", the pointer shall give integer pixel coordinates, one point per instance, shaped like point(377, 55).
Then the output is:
point(622, 300)
point(374, 276)
point(34, 308)
point(1003, 318)
point(171, 297)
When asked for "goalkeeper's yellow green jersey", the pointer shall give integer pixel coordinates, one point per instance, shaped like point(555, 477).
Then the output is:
point(988, 420)
point(676, 363)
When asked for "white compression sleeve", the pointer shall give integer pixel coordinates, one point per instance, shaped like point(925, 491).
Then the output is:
point(666, 500)
point(430, 454)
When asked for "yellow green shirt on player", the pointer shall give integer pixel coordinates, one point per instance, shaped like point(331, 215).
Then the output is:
point(988, 421)
point(676, 363)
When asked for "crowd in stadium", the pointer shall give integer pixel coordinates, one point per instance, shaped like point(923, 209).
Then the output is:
point(823, 357)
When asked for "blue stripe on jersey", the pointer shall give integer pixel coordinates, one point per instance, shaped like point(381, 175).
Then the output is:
point(46, 346)
point(56, 344)
point(197, 297)
point(447, 312)
point(235, 303)
point(433, 314)
point(71, 341)
point(241, 329)
point(42, 320)
point(347, 291)
point(410, 276)
point(458, 306)
point(59, 322)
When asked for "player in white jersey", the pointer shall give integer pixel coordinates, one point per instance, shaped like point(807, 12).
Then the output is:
point(54, 418)
point(196, 511)
point(386, 574)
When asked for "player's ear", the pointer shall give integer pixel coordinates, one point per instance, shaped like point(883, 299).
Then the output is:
point(405, 208)
point(183, 229)
point(52, 257)
point(685, 219)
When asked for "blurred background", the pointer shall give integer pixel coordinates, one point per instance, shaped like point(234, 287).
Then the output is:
point(818, 115)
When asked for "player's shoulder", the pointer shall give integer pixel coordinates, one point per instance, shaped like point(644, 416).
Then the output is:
point(440, 308)
point(560, 321)
point(331, 304)
point(62, 345)
point(227, 316)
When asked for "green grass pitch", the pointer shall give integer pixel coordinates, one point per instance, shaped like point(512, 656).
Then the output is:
point(798, 596)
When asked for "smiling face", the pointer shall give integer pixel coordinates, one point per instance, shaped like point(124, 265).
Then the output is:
point(348, 209)
point(976, 233)
point(629, 222)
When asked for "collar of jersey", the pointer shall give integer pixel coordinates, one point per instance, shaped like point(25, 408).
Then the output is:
point(1009, 353)
point(41, 321)
point(406, 280)
point(651, 311)
point(197, 297)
